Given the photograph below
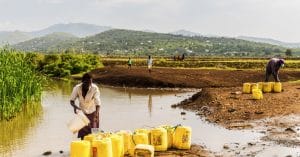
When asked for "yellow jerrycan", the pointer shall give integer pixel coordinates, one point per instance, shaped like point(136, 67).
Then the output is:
point(257, 94)
point(182, 137)
point(127, 137)
point(254, 86)
point(170, 132)
point(277, 87)
point(146, 131)
point(137, 138)
point(80, 149)
point(117, 145)
point(159, 139)
point(143, 150)
point(260, 85)
point(272, 86)
point(247, 88)
point(267, 87)
point(102, 148)
point(90, 137)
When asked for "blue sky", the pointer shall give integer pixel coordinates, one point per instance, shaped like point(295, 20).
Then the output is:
point(278, 19)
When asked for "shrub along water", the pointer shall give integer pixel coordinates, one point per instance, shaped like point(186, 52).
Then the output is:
point(20, 85)
point(63, 65)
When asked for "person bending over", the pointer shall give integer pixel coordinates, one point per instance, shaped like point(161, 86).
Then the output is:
point(88, 95)
point(273, 67)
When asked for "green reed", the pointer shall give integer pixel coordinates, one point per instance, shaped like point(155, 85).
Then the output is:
point(19, 83)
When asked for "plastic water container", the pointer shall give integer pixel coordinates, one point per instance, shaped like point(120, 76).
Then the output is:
point(79, 121)
point(170, 131)
point(267, 87)
point(102, 148)
point(182, 137)
point(127, 137)
point(159, 139)
point(143, 150)
point(257, 94)
point(277, 87)
point(80, 149)
point(247, 88)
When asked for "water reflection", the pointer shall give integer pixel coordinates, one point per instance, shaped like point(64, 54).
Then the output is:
point(150, 104)
point(13, 132)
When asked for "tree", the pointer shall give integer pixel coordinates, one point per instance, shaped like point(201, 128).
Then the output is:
point(288, 52)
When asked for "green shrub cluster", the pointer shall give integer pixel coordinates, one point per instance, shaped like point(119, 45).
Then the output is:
point(62, 65)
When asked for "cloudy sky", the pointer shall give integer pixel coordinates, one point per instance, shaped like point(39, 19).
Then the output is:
point(278, 19)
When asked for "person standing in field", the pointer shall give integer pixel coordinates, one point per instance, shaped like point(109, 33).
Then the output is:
point(273, 67)
point(149, 63)
point(88, 95)
point(129, 62)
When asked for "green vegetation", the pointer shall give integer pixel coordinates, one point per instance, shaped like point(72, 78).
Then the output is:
point(138, 43)
point(19, 83)
point(63, 65)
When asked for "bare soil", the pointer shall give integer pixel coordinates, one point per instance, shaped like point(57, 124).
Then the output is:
point(185, 78)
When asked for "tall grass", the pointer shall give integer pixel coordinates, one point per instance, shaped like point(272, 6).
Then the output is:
point(19, 83)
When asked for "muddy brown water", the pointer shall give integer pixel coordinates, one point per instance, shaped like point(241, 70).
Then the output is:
point(45, 129)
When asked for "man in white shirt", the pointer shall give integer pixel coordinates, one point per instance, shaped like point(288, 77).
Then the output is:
point(88, 95)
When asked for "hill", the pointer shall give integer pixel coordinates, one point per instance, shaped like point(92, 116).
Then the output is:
point(13, 37)
point(270, 41)
point(120, 41)
point(51, 42)
point(185, 33)
point(77, 29)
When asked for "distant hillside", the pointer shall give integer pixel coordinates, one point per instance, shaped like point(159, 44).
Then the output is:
point(77, 29)
point(50, 42)
point(185, 33)
point(119, 41)
point(270, 41)
point(13, 37)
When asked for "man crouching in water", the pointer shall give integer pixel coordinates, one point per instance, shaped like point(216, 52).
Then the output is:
point(273, 67)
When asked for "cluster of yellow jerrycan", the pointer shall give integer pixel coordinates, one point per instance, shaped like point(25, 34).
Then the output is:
point(258, 88)
point(142, 143)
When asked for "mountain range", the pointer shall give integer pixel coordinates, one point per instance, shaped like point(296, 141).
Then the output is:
point(76, 29)
point(120, 42)
point(270, 41)
point(104, 39)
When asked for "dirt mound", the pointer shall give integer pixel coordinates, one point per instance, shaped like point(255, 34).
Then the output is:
point(229, 107)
